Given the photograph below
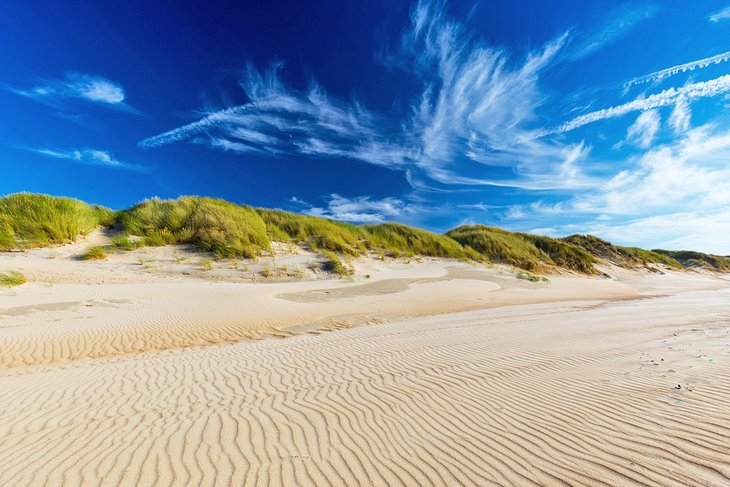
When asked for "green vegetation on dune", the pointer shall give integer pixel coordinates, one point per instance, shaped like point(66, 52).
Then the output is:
point(334, 264)
point(213, 225)
point(12, 278)
point(37, 220)
point(627, 257)
point(228, 230)
point(690, 258)
point(94, 253)
point(317, 233)
point(533, 253)
point(653, 257)
point(398, 240)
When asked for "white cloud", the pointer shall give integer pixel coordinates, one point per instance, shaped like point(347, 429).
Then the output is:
point(671, 96)
point(681, 68)
point(647, 205)
point(470, 116)
point(723, 14)
point(644, 129)
point(680, 117)
point(279, 121)
point(362, 209)
point(617, 22)
point(94, 157)
point(78, 86)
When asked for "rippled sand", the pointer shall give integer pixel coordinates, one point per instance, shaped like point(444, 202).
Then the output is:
point(160, 384)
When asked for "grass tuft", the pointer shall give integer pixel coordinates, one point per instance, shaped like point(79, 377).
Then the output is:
point(12, 278)
point(334, 264)
point(94, 253)
point(529, 276)
point(123, 242)
point(206, 264)
point(37, 220)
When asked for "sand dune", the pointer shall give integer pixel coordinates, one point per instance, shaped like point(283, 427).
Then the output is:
point(161, 379)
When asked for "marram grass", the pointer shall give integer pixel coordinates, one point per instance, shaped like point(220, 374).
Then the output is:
point(12, 278)
point(37, 220)
point(229, 230)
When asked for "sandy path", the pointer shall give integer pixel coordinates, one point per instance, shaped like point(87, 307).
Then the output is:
point(549, 394)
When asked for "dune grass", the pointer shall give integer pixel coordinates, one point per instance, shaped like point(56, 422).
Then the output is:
point(334, 264)
point(690, 258)
point(532, 253)
point(228, 230)
point(94, 253)
point(316, 233)
point(398, 240)
point(213, 225)
point(12, 278)
point(124, 242)
point(653, 257)
point(37, 220)
point(626, 257)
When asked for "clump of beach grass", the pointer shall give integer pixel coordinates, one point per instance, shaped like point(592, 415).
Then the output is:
point(123, 242)
point(38, 220)
point(529, 276)
point(213, 225)
point(94, 253)
point(12, 278)
point(334, 264)
point(206, 264)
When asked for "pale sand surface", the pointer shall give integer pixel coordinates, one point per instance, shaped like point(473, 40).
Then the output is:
point(115, 375)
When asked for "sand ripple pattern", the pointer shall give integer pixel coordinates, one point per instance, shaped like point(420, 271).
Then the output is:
point(554, 394)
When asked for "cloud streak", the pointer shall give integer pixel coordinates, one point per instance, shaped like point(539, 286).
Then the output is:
point(723, 14)
point(470, 116)
point(78, 86)
point(280, 121)
point(93, 157)
point(619, 21)
point(671, 96)
point(680, 68)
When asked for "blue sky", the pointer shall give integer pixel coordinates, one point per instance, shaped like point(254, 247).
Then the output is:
point(557, 117)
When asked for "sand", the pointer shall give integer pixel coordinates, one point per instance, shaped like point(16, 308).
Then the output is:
point(424, 373)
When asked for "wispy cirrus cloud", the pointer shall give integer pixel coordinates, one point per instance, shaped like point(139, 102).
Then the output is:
point(668, 97)
point(644, 129)
point(616, 23)
point(279, 121)
point(86, 155)
point(680, 68)
point(471, 115)
point(78, 86)
point(723, 14)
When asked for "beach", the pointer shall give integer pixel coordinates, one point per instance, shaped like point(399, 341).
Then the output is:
point(430, 372)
